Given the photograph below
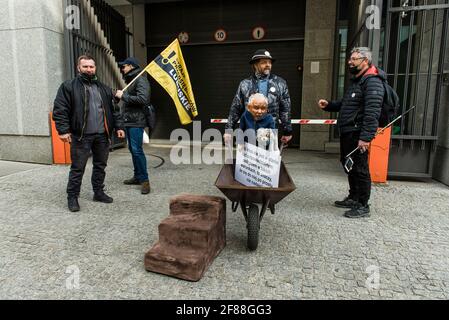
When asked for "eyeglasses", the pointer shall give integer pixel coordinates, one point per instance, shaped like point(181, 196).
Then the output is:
point(355, 59)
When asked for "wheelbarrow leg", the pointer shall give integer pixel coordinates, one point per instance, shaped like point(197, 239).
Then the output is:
point(265, 205)
point(244, 210)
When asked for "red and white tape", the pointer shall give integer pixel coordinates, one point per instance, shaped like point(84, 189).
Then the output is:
point(294, 121)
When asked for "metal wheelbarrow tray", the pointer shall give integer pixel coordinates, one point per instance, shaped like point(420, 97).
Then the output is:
point(249, 197)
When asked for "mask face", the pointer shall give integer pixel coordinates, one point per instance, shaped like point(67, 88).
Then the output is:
point(354, 70)
point(89, 77)
point(87, 67)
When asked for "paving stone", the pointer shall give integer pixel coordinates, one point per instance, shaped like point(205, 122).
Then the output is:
point(301, 247)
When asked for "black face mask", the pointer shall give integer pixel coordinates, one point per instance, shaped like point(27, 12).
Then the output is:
point(354, 70)
point(88, 78)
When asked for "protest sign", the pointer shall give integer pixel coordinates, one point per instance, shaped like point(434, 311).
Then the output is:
point(256, 167)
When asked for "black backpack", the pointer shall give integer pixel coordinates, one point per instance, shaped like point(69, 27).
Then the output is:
point(150, 115)
point(390, 105)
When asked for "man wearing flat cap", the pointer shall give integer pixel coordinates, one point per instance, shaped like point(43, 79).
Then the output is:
point(271, 86)
point(135, 99)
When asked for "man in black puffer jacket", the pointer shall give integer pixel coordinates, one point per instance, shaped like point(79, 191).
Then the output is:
point(85, 117)
point(135, 99)
point(273, 87)
point(358, 119)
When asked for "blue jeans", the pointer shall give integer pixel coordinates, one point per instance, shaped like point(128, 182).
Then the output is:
point(134, 136)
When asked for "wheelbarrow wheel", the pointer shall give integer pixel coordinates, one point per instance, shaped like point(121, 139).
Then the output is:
point(253, 227)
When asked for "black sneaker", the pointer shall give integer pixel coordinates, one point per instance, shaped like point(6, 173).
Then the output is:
point(73, 204)
point(346, 203)
point(359, 211)
point(133, 180)
point(102, 197)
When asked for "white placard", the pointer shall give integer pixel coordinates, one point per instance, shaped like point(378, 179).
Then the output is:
point(315, 67)
point(256, 167)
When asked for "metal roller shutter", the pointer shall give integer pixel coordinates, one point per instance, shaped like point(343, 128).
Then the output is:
point(216, 69)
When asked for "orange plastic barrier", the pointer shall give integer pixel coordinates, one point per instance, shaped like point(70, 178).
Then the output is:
point(61, 150)
point(378, 156)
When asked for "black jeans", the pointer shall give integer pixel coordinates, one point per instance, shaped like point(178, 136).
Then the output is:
point(79, 153)
point(359, 177)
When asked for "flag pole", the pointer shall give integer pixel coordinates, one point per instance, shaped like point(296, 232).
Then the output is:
point(134, 80)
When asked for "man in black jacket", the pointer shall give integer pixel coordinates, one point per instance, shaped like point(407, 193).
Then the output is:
point(359, 112)
point(135, 99)
point(271, 86)
point(85, 117)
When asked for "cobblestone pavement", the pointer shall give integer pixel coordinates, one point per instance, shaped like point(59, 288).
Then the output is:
point(307, 250)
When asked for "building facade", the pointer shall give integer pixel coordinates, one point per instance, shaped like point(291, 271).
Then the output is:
point(39, 41)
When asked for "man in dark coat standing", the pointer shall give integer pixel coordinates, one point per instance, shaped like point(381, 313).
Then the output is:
point(273, 87)
point(135, 99)
point(358, 119)
point(85, 117)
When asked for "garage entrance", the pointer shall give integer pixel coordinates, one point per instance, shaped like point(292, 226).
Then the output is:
point(216, 67)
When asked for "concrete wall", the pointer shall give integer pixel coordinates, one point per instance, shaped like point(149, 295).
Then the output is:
point(32, 61)
point(135, 21)
point(318, 49)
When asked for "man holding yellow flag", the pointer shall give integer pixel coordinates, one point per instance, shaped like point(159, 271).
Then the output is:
point(170, 71)
point(135, 100)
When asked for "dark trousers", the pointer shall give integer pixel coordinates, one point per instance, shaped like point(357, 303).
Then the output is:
point(135, 137)
point(359, 177)
point(98, 144)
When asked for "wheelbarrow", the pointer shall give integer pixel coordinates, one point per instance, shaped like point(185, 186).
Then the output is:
point(249, 197)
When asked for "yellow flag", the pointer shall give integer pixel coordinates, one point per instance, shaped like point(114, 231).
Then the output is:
point(170, 71)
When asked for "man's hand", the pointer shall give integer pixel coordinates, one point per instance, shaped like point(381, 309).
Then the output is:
point(286, 139)
point(363, 146)
point(227, 138)
point(66, 137)
point(322, 103)
point(119, 94)
point(120, 133)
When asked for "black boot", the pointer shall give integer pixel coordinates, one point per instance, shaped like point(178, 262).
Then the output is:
point(131, 181)
point(358, 211)
point(100, 196)
point(73, 204)
point(346, 203)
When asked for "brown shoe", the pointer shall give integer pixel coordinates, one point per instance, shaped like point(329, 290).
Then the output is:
point(145, 187)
